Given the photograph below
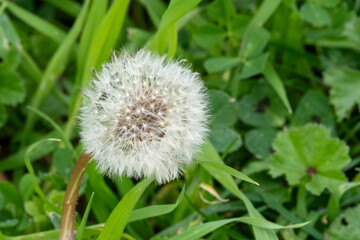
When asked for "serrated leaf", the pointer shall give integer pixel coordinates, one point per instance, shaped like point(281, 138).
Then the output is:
point(315, 14)
point(309, 154)
point(12, 89)
point(345, 89)
point(346, 226)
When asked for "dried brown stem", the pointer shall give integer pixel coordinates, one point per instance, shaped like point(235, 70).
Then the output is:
point(71, 196)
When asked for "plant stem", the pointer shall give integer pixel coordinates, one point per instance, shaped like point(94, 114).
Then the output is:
point(301, 202)
point(71, 196)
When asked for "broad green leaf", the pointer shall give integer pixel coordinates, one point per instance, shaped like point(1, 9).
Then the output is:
point(209, 35)
point(220, 64)
point(259, 140)
point(346, 226)
point(116, 222)
point(256, 39)
point(12, 88)
point(228, 170)
point(154, 211)
point(345, 89)
point(225, 139)
point(223, 109)
point(309, 154)
point(37, 23)
point(315, 14)
point(221, 11)
point(3, 115)
point(314, 107)
point(254, 66)
point(328, 3)
point(262, 107)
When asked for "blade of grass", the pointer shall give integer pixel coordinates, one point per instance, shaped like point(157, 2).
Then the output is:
point(209, 153)
point(82, 226)
point(228, 170)
point(55, 67)
point(153, 211)
point(117, 220)
point(70, 7)
point(273, 78)
point(103, 41)
point(55, 126)
point(30, 68)
point(202, 229)
point(33, 176)
point(37, 23)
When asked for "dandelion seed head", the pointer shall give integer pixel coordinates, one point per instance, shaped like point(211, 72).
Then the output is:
point(144, 116)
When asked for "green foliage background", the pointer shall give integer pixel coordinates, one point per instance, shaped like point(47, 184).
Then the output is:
point(284, 86)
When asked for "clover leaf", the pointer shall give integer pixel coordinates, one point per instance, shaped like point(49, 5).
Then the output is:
point(346, 226)
point(309, 155)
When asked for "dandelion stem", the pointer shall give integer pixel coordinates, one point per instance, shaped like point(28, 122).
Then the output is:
point(71, 196)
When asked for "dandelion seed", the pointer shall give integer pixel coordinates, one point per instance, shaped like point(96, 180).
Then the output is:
point(145, 132)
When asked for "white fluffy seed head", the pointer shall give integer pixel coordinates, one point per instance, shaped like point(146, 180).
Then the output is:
point(144, 116)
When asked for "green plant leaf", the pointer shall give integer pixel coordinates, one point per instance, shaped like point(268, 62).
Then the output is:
point(221, 11)
point(37, 23)
point(254, 66)
point(209, 35)
point(309, 154)
point(117, 220)
point(255, 41)
point(223, 109)
point(314, 107)
point(259, 140)
point(12, 88)
point(262, 107)
point(346, 226)
point(345, 89)
point(220, 64)
point(225, 139)
point(82, 226)
point(154, 211)
point(315, 14)
point(228, 170)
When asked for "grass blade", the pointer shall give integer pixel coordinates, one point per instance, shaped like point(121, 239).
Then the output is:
point(228, 170)
point(153, 211)
point(55, 67)
point(117, 220)
point(82, 226)
point(33, 176)
point(37, 23)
